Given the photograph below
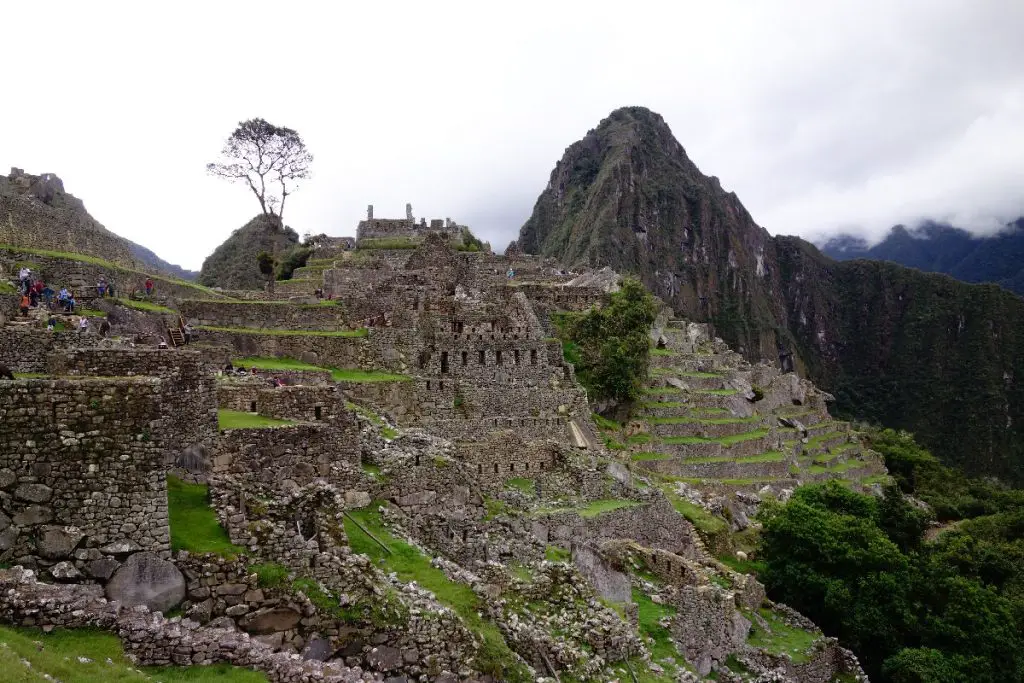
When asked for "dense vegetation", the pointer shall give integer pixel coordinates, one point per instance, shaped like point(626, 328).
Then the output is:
point(233, 264)
point(609, 346)
point(914, 609)
point(911, 350)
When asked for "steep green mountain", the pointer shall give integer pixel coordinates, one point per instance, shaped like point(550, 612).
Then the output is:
point(911, 350)
point(943, 248)
point(233, 265)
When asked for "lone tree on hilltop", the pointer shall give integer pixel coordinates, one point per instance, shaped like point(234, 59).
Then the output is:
point(265, 157)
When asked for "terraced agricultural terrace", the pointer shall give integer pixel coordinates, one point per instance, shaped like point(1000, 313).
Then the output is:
point(400, 481)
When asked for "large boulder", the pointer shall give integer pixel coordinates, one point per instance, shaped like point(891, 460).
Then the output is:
point(270, 620)
point(145, 579)
point(58, 542)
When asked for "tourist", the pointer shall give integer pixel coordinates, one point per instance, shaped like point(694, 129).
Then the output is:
point(24, 276)
point(51, 323)
point(48, 296)
point(162, 345)
point(229, 367)
point(83, 325)
point(105, 328)
point(33, 297)
point(149, 286)
point(69, 303)
point(5, 372)
point(110, 288)
point(25, 303)
point(101, 287)
point(187, 330)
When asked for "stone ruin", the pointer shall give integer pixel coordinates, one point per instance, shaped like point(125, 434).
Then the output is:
point(475, 445)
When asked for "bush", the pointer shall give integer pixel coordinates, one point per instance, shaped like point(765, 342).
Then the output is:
point(295, 257)
point(609, 346)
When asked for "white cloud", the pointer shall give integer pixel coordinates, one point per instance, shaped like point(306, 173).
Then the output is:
point(819, 115)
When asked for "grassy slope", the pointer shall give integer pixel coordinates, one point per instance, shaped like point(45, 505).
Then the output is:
point(236, 419)
point(410, 565)
point(194, 526)
point(58, 659)
point(361, 332)
point(337, 374)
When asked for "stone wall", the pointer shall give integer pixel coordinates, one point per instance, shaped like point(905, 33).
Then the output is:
point(298, 453)
point(87, 454)
point(189, 399)
point(152, 639)
point(306, 403)
point(29, 349)
point(326, 350)
point(281, 316)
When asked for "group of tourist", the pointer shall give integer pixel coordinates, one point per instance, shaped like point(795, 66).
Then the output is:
point(105, 287)
point(34, 291)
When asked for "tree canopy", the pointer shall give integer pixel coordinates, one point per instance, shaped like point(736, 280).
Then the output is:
point(269, 159)
point(913, 610)
point(609, 346)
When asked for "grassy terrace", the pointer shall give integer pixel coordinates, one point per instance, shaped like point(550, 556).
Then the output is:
point(143, 305)
point(704, 420)
point(780, 638)
point(337, 374)
point(236, 419)
point(593, 508)
point(194, 526)
point(703, 520)
point(723, 440)
point(269, 302)
point(650, 455)
point(92, 656)
point(110, 265)
point(771, 456)
point(410, 564)
point(361, 332)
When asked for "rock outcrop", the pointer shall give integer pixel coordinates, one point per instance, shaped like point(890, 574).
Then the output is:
point(878, 336)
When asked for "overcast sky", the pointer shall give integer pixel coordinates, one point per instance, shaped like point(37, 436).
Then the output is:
point(821, 116)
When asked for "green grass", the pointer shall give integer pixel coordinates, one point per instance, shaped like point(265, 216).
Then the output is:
point(717, 392)
point(494, 656)
point(650, 614)
point(30, 375)
point(58, 659)
point(361, 332)
point(236, 419)
point(143, 305)
point(771, 456)
point(742, 566)
point(723, 440)
point(781, 638)
point(654, 405)
point(662, 352)
point(703, 420)
point(356, 375)
point(639, 439)
point(110, 265)
point(337, 374)
point(604, 423)
point(7, 288)
point(387, 243)
point(521, 484)
point(599, 507)
point(654, 391)
point(553, 553)
point(370, 470)
point(90, 312)
point(270, 574)
point(701, 375)
point(698, 516)
point(194, 526)
point(650, 455)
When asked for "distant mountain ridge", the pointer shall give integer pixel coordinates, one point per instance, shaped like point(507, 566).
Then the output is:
point(941, 248)
point(897, 346)
point(151, 260)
